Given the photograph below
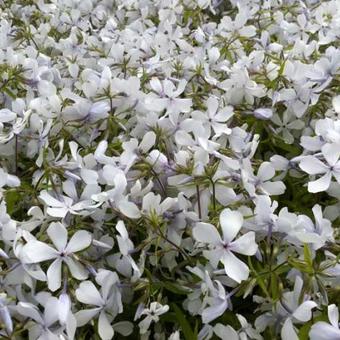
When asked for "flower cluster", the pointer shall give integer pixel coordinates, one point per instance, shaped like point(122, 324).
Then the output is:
point(169, 169)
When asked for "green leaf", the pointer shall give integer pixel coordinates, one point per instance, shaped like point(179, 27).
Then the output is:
point(280, 143)
point(175, 288)
point(307, 255)
point(258, 278)
point(304, 331)
point(274, 286)
point(12, 198)
point(282, 68)
point(185, 326)
point(301, 266)
point(9, 92)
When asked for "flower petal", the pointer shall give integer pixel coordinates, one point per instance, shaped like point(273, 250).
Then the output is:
point(213, 312)
point(79, 241)
point(273, 188)
point(30, 311)
point(336, 103)
point(51, 311)
point(54, 275)
point(124, 328)
point(331, 152)
point(105, 329)
point(234, 267)
point(57, 212)
point(313, 165)
point(64, 307)
point(70, 189)
point(148, 141)
point(245, 244)
point(287, 331)
point(129, 209)
point(35, 251)
point(321, 184)
point(84, 316)
point(49, 200)
point(6, 115)
point(77, 270)
point(266, 171)
point(58, 235)
point(226, 332)
point(231, 223)
point(6, 318)
point(333, 314)
point(89, 294)
point(324, 331)
point(304, 311)
point(206, 233)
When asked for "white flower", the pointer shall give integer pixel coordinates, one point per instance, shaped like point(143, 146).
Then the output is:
point(238, 26)
point(116, 197)
point(86, 111)
point(152, 204)
point(289, 310)
point(265, 219)
point(229, 333)
point(107, 303)
point(323, 330)
point(218, 301)
point(36, 251)
point(313, 166)
point(132, 150)
point(315, 234)
point(286, 124)
point(152, 315)
point(62, 205)
point(125, 262)
point(247, 331)
point(240, 87)
point(17, 125)
point(214, 118)
point(43, 321)
point(142, 146)
point(262, 181)
point(222, 249)
point(168, 98)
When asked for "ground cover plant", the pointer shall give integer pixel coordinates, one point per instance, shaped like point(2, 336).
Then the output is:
point(169, 169)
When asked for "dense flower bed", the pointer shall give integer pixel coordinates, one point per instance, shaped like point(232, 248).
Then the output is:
point(169, 169)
